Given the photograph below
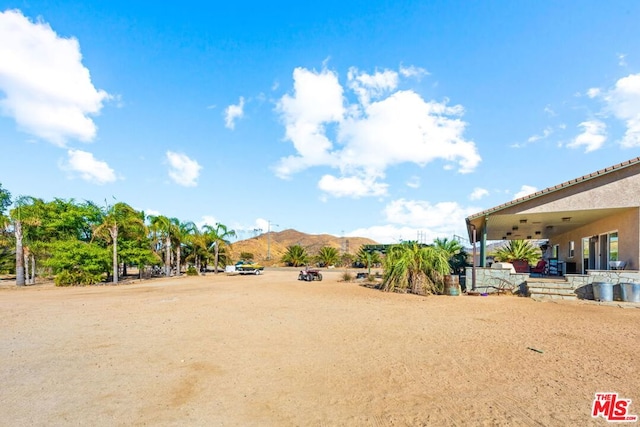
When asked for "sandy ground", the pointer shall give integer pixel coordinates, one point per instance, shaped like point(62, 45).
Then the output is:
point(272, 351)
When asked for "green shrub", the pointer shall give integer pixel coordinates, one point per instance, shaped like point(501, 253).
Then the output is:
point(191, 271)
point(76, 278)
point(347, 277)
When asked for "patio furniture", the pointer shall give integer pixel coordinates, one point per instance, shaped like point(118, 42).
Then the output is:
point(617, 265)
point(540, 268)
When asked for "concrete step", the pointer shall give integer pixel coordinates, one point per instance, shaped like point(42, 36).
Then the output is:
point(552, 289)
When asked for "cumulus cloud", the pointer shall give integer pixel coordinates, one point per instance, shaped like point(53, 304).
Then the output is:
point(88, 167)
point(47, 90)
point(525, 190)
point(478, 193)
point(385, 127)
point(233, 113)
point(368, 86)
point(624, 101)
point(352, 186)
point(593, 136)
point(183, 170)
point(405, 218)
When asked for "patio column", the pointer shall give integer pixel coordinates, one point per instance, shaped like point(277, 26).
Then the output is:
point(483, 244)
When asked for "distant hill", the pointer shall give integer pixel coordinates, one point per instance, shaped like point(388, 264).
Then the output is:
point(276, 243)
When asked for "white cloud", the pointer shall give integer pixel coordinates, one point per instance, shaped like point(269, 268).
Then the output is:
point(545, 134)
point(233, 113)
point(478, 193)
point(413, 71)
point(622, 59)
point(624, 101)
point(47, 90)
point(525, 190)
point(207, 220)
point(593, 92)
point(183, 170)
point(88, 167)
point(408, 217)
point(414, 182)
point(362, 140)
point(352, 186)
point(549, 111)
point(371, 86)
point(593, 136)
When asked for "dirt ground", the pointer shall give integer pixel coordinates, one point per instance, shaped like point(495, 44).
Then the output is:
point(270, 350)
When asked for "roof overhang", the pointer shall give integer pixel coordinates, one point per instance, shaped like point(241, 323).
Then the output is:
point(544, 225)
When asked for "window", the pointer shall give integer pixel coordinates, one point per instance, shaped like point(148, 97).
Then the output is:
point(572, 249)
point(613, 246)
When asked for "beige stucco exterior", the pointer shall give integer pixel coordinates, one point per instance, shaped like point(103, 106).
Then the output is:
point(593, 207)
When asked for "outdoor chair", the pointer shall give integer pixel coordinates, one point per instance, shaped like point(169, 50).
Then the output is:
point(540, 268)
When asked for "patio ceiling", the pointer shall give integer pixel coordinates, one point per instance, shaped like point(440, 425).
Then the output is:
point(540, 225)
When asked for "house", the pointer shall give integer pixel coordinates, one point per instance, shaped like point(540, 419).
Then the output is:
point(591, 222)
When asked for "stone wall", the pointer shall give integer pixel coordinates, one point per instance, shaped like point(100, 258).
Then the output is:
point(489, 280)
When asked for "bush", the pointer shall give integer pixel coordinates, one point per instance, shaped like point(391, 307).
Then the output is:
point(191, 271)
point(347, 277)
point(73, 278)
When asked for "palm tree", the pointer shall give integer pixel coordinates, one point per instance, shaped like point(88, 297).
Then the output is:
point(119, 217)
point(518, 249)
point(421, 269)
point(368, 258)
point(184, 231)
point(457, 254)
point(25, 214)
point(328, 256)
point(295, 256)
point(218, 237)
point(165, 228)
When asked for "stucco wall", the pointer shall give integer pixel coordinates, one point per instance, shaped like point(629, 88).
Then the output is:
point(615, 190)
point(626, 223)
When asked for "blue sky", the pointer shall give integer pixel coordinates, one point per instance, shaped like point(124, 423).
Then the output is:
point(371, 118)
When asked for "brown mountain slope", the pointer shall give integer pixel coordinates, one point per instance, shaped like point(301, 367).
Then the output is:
point(276, 244)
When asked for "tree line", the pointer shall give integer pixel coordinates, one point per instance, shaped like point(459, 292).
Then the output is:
point(84, 243)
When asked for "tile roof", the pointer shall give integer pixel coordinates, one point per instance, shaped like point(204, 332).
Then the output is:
point(558, 187)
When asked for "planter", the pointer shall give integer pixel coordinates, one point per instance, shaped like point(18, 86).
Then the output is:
point(602, 291)
point(630, 292)
point(451, 285)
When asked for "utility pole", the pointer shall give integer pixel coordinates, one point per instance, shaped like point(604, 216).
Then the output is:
point(269, 239)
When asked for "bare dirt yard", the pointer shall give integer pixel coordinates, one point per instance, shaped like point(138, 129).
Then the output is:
point(270, 350)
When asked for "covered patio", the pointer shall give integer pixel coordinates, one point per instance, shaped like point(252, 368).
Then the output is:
point(592, 224)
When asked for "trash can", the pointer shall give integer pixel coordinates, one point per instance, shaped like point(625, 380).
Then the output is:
point(630, 292)
point(602, 291)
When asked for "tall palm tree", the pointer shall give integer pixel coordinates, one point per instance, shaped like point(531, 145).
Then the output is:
point(418, 268)
point(166, 229)
point(118, 217)
point(183, 233)
point(218, 236)
point(26, 213)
